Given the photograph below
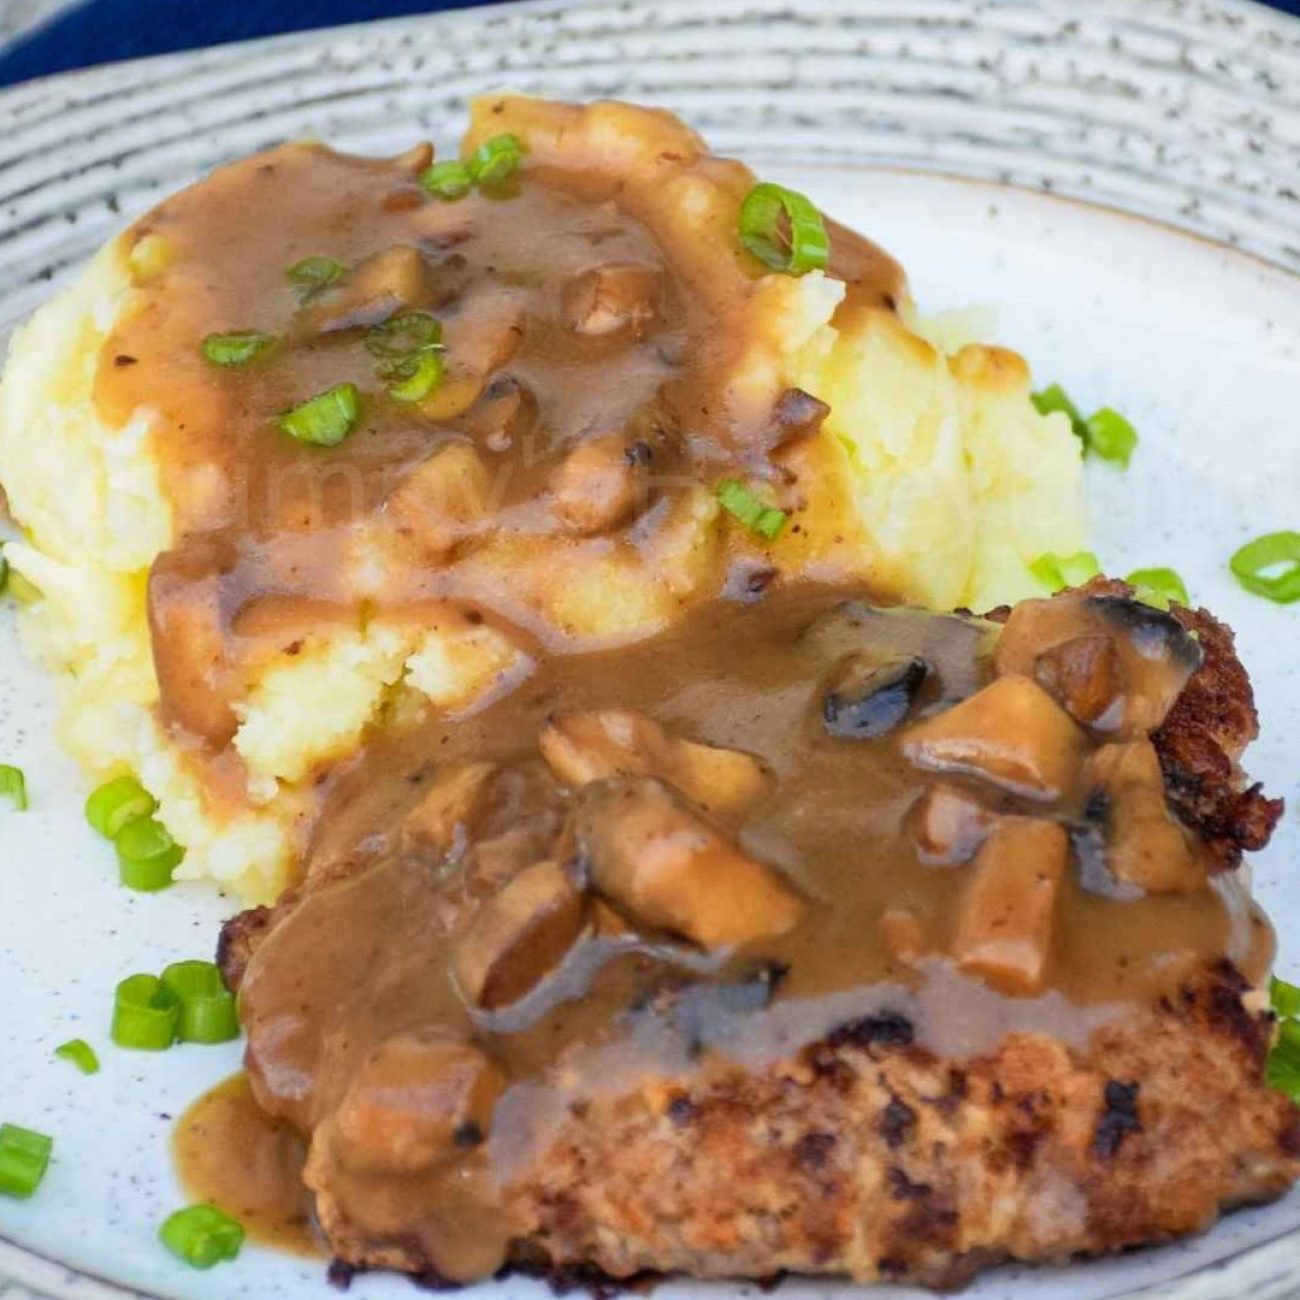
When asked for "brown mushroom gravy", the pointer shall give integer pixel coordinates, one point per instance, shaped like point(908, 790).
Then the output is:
point(230, 1152)
point(715, 847)
point(600, 369)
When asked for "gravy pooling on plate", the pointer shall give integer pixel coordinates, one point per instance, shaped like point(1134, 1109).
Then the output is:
point(719, 845)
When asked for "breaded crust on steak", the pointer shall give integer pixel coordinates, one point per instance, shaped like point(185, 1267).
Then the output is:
point(866, 1155)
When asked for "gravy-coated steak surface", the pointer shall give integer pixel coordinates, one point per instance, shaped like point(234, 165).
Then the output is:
point(807, 936)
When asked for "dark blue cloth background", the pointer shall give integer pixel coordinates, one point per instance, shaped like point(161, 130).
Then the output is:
point(100, 31)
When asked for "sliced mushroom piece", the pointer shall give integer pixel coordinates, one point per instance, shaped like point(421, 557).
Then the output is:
point(585, 747)
point(600, 483)
point(504, 413)
point(478, 343)
point(795, 415)
point(1085, 675)
point(961, 642)
point(1012, 732)
point(446, 811)
point(1144, 843)
point(617, 298)
point(396, 279)
point(1155, 656)
point(669, 869)
point(1004, 933)
point(443, 502)
point(518, 937)
point(949, 825)
point(865, 698)
point(417, 1101)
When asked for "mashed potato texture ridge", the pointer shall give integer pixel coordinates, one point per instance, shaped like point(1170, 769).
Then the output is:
point(933, 479)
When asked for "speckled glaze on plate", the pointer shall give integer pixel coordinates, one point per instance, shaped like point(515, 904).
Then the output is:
point(1184, 112)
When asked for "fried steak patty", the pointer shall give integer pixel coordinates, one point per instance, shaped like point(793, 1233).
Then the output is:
point(867, 1155)
point(871, 1157)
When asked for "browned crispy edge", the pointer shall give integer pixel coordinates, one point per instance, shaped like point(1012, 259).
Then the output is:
point(869, 1156)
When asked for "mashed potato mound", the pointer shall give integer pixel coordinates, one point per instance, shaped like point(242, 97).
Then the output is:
point(933, 480)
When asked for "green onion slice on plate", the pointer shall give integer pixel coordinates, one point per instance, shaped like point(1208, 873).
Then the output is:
point(1158, 587)
point(1284, 1060)
point(24, 1158)
point(1283, 1071)
point(202, 1235)
point(804, 247)
point(752, 511)
point(117, 803)
point(1105, 434)
point(79, 1053)
point(147, 855)
point(326, 419)
point(1279, 552)
point(207, 1007)
point(496, 160)
point(452, 179)
point(413, 378)
point(313, 274)
point(1061, 571)
point(1284, 998)
point(13, 786)
point(145, 1014)
point(404, 335)
point(1111, 437)
point(235, 347)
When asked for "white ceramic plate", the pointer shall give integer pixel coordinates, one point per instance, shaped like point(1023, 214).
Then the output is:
point(1188, 113)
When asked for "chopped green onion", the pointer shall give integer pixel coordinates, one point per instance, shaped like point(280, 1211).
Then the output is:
point(805, 248)
point(147, 855)
point(1158, 587)
point(496, 160)
point(1111, 437)
point(1105, 434)
point(413, 378)
point(404, 335)
point(13, 784)
point(448, 180)
point(769, 523)
point(752, 511)
point(1284, 1060)
point(235, 347)
point(145, 1014)
point(1284, 997)
point(1272, 551)
point(326, 419)
point(1061, 571)
point(202, 1235)
point(24, 1158)
point(1055, 398)
point(80, 1053)
point(116, 804)
point(207, 1007)
point(313, 274)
